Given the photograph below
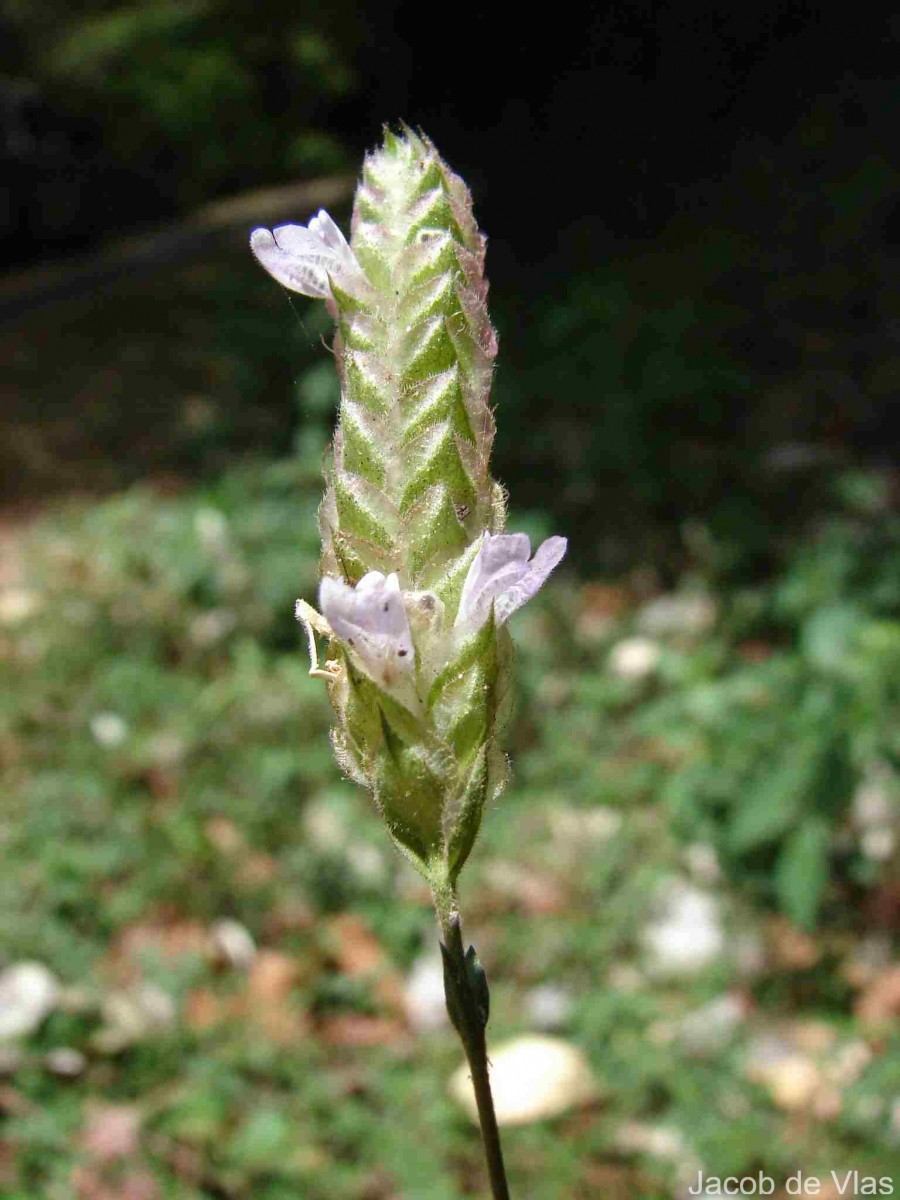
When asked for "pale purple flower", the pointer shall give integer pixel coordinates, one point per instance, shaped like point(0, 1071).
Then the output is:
point(371, 620)
point(304, 257)
point(504, 573)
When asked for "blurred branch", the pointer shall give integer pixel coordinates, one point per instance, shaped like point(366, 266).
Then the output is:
point(47, 283)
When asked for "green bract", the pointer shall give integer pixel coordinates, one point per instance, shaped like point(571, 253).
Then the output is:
point(410, 489)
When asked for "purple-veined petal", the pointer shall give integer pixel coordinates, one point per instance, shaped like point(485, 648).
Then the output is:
point(547, 556)
point(500, 562)
point(371, 620)
point(503, 573)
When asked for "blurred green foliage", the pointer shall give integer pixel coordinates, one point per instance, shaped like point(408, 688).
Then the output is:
point(771, 740)
point(166, 764)
point(191, 100)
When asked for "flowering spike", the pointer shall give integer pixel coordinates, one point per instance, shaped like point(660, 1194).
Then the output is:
point(418, 577)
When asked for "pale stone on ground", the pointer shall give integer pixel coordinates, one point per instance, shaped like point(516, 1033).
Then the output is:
point(533, 1079)
point(28, 994)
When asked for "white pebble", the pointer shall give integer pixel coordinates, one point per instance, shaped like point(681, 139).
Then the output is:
point(577, 826)
point(233, 943)
point(28, 994)
point(685, 612)
point(687, 935)
point(532, 1079)
point(634, 658)
point(703, 863)
point(710, 1028)
point(108, 729)
point(878, 844)
point(17, 605)
point(874, 802)
point(367, 863)
point(548, 1006)
point(660, 1141)
point(65, 1062)
point(423, 995)
point(211, 528)
point(210, 627)
point(131, 1014)
point(325, 823)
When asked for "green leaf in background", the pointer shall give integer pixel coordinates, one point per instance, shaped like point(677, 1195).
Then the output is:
point(264, 1140)
point(773, 803)
point(828, 635)
point(802, 870)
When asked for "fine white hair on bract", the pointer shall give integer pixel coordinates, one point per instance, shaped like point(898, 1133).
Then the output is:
point(503, 573)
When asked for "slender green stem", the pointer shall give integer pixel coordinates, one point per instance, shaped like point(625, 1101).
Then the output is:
point(466, 993)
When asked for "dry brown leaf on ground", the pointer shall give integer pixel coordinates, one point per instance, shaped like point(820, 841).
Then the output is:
point(359, 954)
point(89, 1184)
point(790, 946)
point(880, 999)
point(267, 1000)
point(357, 1029)
point(111, 1131)
point(224, 835)
point(272, 977)
point(602, 604)
point(155, 938)
point(537, 895)
point(204, 1009)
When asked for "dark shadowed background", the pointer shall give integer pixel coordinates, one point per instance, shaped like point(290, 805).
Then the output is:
point(731, 173)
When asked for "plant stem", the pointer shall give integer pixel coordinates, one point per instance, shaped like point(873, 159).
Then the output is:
point(465, 989)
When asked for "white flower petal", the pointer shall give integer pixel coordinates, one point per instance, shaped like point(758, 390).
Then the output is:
point(322, 227)
point(548, 556)
point(502, 574)
point(296, 239)
point(303, 258)
point(371, 620)
point(292, 271)
point(501, 560)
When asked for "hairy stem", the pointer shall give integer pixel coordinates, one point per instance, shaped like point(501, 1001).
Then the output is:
point(466, 992)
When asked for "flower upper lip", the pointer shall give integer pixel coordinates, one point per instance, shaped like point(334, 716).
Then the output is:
point(304, 258)
point(504, 575)
point(371, 619)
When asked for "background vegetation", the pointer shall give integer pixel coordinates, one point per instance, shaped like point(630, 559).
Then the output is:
point(698, 375)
